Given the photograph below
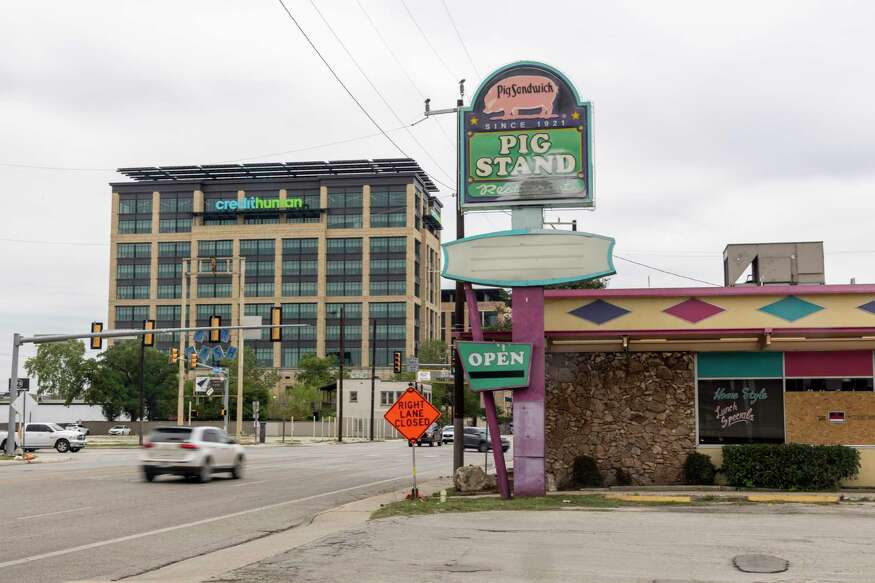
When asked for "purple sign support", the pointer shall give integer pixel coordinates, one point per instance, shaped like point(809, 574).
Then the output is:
point(488, 400)
point(528, 404)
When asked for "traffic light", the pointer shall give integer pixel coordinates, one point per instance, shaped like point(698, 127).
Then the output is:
point(215, 324)
point(174, 355)
point(396, 362)
point(276, 318)
point(97, 341)
point(192, 363)
point(148, 339)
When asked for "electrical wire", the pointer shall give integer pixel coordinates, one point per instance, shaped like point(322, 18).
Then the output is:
point(402, 68)
point(428, 42)
point(349, 92)
point(667, 272)
point(376, 90)
point(461, 40)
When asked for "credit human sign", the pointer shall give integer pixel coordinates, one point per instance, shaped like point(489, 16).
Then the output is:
point(257, 203)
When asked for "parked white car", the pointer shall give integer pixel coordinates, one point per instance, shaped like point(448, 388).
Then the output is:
point(120, 430)
point(193, 452)
point(46, 436)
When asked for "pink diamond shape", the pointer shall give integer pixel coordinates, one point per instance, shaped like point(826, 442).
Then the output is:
point(693, 310)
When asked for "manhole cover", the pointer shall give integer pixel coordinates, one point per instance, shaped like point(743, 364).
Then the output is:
point(760, 564)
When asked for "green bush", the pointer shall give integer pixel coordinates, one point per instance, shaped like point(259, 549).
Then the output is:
point(699, 470)
point(790, 466)
point(585, 473)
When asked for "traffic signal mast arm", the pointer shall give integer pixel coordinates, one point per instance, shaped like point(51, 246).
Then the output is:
point(134, 333)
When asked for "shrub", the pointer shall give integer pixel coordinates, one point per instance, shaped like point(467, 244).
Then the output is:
point(790, 466)
point(585, 473)
point(699, 470)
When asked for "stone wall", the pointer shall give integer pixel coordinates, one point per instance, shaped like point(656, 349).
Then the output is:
point(632, 411)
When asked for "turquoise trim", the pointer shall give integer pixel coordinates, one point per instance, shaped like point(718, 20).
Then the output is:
point(740, 365)
point(791, 308)
point(528, 282)
point(460, 122)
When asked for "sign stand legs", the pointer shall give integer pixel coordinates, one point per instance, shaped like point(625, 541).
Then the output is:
point(489, 401)
point(414, 494)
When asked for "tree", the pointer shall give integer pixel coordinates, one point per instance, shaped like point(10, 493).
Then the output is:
point(258, 381)
point(316, 372)
point(599, 283)
point(61, 369)
point(115, 382)
point(433, 351)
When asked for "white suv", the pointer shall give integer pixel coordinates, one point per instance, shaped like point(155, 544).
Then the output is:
point(193, 452)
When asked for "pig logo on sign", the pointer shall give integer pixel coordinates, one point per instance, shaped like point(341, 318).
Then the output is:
point(521, 92)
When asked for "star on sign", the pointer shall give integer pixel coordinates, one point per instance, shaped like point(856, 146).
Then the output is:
point(474, 120)
point(575, 115)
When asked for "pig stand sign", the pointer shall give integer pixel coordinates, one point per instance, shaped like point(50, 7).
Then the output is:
point(526, 140)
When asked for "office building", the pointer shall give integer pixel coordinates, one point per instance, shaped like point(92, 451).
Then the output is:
point(315, 237)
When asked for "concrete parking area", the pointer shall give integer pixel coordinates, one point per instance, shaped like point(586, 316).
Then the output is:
point(640, 545)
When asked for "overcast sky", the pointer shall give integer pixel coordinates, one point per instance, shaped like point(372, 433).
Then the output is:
point(713, 122)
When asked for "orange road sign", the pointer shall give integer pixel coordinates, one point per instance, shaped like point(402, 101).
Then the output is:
point(411, 414)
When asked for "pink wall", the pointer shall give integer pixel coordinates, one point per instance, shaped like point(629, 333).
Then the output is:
point(846, 363)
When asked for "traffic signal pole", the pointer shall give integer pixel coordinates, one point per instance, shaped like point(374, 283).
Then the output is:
point(18, 340)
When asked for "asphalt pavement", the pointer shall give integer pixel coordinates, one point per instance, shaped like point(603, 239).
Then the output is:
point(93, 517)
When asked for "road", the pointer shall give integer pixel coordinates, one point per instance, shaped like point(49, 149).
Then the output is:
point(94, 516)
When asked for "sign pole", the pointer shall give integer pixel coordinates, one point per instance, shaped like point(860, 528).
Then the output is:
point(415, 492)
point(142, 385)
point(528, 404)
point(13, 382)
point(488, 401)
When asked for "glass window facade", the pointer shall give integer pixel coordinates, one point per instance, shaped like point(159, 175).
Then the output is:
point(352, 332)
point(344, 267)
point(297, 342)
point(128, 317)
point(388, 206)
point(175, 212)
point(135, 213)
point(388, 269)
point(391, 330)
point(345, 208)
point(311, 212)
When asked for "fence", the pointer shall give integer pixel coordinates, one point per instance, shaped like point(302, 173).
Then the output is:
point(326, 428)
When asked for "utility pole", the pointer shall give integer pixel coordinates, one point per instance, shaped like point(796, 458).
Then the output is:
point(340, 378)
point(373, 373)
point(240, 354)
point(180, 402)
point(13, 384)
point(142, 385)
point(459, 312)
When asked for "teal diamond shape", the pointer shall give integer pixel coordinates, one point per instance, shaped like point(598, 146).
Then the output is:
point(791, 308)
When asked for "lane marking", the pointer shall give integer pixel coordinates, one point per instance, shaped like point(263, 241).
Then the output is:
point(54, 513)
point(138, 535)
point(248, 483)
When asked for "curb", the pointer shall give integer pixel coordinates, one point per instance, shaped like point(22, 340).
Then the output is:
point(650, 498)
point(796, 498)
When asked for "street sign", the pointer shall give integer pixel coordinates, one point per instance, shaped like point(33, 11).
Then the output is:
point(423, 376)
point(491, 366)
point(412, 414)
point(201, 384)
point(526, 139)
point(21, 384)
point(24, 402)
point(252, 321)
point(521, 258)
point(412, 364)
point(210, 392)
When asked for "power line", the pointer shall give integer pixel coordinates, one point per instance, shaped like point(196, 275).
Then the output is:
point(461, 41)
point(348, 92)
point(428, 42)
point(376, 90)
point(403, 69)
point(668, 272)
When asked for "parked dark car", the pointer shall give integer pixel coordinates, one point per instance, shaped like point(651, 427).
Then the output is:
point(431, 437)
point(475, 438)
